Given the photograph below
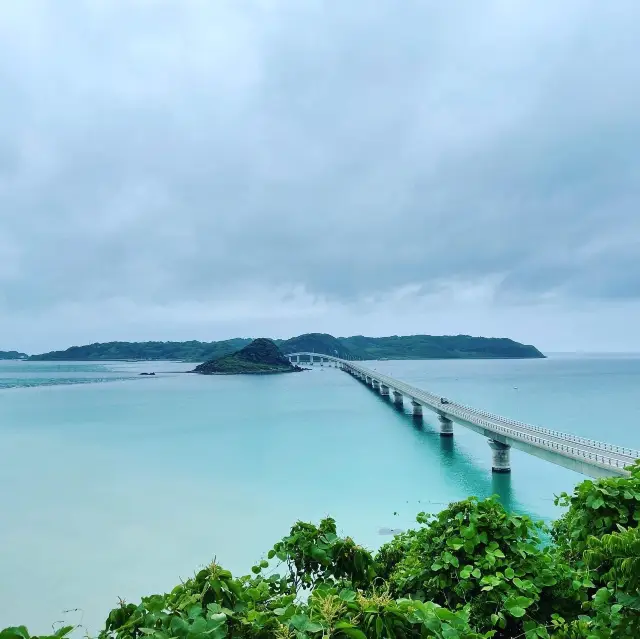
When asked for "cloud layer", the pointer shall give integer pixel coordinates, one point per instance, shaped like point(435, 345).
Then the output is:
point(204, 170)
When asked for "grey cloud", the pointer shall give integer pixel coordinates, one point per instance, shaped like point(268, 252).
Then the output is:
point(184, 151)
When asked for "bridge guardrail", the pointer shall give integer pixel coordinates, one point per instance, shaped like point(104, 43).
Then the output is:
point(555, 433)
point(472, 415)
point(572, 451)
point(497, 423)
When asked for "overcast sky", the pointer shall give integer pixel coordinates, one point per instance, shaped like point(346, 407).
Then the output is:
point(203, 170)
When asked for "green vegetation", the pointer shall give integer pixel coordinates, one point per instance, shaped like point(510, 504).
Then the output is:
point(260, 357)
point(473, 571)
point(437, 347)
point(192, 351)
point(12, 355)
point(358, 347)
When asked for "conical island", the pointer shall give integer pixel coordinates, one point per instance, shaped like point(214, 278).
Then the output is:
point(260, 357)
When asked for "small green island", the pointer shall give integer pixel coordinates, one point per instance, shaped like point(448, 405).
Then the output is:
point(260, 357)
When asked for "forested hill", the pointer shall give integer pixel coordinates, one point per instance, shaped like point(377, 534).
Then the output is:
point(12, 355)
point(438, 347)
point(192, 351)
point(260, 357)
point(357, 347)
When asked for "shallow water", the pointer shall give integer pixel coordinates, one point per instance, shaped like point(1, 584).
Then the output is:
point(120, 488)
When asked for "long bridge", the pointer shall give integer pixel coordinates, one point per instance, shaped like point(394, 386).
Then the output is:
point(583, 455)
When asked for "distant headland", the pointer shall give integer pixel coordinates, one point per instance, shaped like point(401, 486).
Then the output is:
point(260, 357)
point(355, 347)
point(12, 355)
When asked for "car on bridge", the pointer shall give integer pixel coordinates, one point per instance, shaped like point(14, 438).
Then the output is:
point(444, 400)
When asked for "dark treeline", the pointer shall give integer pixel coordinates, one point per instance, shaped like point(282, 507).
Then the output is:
point(357, 347)
point(12, 355)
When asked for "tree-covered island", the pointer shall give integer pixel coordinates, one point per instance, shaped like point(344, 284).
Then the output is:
point(260, 357)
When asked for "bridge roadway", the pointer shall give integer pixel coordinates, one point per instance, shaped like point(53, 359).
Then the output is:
point(583, 455)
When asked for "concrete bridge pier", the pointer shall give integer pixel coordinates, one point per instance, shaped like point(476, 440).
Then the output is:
point(417, 408)
point(501, 462)
point(397, 398)
point(446, 426)
point(375, 384)
point(384, 390)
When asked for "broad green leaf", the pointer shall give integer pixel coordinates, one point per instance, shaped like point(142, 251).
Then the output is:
point(597, 503)
point(602, 596)
point(456, 543)
point(320, 555)
point(199, 626)
point(347, 595)
point(525, 602)
point(299, 622)
point(350, 630)
point(178, 626)
point(314, 626)
point(218, 619)
point(195, 612)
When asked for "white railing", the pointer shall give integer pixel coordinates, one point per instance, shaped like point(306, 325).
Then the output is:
point(503, 425)
point(471, 415)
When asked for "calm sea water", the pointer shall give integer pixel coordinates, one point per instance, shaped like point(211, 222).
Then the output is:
point(114, 484)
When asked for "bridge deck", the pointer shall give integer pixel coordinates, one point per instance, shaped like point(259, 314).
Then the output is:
point(587, 451)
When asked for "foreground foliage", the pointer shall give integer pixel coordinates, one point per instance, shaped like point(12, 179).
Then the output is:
point(472, 571)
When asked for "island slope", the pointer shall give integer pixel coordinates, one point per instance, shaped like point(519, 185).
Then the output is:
point(260, 357)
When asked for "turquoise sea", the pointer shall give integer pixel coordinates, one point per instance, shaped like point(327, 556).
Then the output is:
point(112, 484)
